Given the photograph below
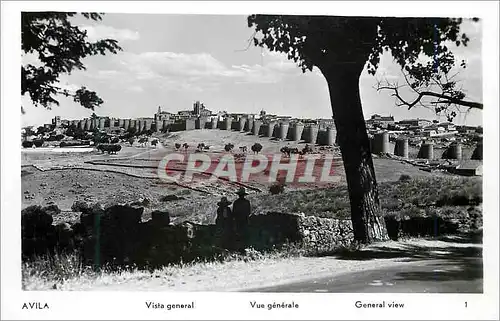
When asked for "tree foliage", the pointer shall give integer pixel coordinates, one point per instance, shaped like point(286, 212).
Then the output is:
point(60, 48)
point(341, 48)
point(420, 46)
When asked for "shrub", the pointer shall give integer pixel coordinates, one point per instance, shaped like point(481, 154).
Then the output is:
point(27, 144)
point(109, 148)
point(228, 147)
point(276, 189)
point(256, 148)
point(404, 178)
point(168, 198)
point(38, 142)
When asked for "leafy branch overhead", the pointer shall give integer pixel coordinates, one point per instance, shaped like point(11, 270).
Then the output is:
point(327, 42)
point(341, 48)
point(60, 48)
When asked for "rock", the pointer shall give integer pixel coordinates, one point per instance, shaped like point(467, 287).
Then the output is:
point(97, 208)
point(64, 234)
point(35, 221)
point(78, 229)
point(89, 212)
point(169, 198)
point(160, 218)
point(26, 192)
point(81, 206)
point(125, 214)
point(142, 201)
point(37, 231)
point(51, 209)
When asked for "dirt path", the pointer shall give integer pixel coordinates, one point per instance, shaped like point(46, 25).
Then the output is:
point(270, 271)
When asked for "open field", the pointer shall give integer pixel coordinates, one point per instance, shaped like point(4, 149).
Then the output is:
point(131, 175)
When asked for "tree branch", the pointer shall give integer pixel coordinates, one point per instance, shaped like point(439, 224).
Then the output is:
point(443, 98)
point(447, 99)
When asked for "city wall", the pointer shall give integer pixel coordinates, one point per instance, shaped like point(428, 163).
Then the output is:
point(291, 131)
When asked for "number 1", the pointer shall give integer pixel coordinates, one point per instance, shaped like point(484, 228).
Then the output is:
point(465, 303)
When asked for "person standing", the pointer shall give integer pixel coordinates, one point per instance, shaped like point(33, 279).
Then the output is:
point(241, 212)
point(225, 223)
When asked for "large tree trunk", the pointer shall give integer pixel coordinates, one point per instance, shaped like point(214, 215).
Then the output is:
point(343, 83)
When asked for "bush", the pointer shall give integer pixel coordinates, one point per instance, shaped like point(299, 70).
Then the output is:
point(277, 189)
point(38, 142)
point(228, 147)
point(109, 148)
point(27, 144)
point(404, 178)
point(256, 148)
point(168, 198)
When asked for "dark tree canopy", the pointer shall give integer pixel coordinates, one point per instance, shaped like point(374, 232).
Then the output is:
point(342, 47)
point(420, 46)
point(60, 47)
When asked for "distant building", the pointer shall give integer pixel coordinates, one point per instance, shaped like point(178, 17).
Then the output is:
point(415, 122)
point(325, 122)
point(466, 129)
point(447, 126)
point(56, 121)
point(380, 121)
point(199, 110)
point(162, 115)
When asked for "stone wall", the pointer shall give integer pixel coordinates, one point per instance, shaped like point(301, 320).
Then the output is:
point(116, 235)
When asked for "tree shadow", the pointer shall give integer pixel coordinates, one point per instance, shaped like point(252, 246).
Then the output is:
point(475, 237)
point(456, 259)
point(463, 269)
point(415, 252)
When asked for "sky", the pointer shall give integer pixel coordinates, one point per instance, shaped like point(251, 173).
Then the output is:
point(173, 60)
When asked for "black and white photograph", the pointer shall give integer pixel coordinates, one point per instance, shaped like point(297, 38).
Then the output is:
point(273, 154)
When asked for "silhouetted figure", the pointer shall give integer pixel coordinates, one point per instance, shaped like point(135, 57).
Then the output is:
point(225, 223)
point(241, 212)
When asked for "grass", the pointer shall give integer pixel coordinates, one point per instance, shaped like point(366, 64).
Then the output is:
point(406, 195)
point(58, 271)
